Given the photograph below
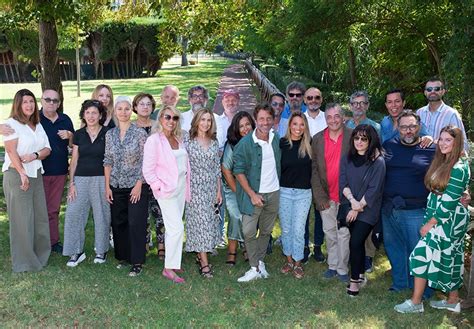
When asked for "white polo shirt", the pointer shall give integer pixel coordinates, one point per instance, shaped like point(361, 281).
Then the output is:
point(29, 141)
point(316, 124)
point(268, 176)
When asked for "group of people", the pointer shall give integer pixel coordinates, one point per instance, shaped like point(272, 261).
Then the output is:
point(407, 176)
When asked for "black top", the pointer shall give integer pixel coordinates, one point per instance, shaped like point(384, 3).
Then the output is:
point(371, 188)
point(91, 155)
point(295, 171)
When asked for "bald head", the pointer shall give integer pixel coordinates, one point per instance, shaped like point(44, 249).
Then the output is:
point(50, 101)
point(170, 95)
point(313, 99)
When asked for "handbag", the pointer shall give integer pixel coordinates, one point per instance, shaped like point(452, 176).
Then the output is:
point(345, 207)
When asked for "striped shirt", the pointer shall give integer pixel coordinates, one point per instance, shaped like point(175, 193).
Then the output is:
point(437, 120)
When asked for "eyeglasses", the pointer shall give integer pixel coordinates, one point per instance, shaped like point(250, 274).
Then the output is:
point(361, 103)
point(197, 96)
point(168, 117)
point(51, 100)
point(411, 127)
point(216, 209)
point(430, 89)
point(361, 138)
point(310, 98)
point(298, 95)
point(145, 104)
point(275, 104)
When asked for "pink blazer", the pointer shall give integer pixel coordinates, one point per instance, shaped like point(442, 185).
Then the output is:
point(160, 168)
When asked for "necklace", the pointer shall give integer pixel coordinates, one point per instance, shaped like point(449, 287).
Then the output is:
point(92, 135)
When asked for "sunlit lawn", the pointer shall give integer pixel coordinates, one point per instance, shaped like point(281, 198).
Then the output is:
point(94, 295)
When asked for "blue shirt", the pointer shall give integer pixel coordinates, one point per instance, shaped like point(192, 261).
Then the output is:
point(406, 167)
point(285, 116)
point(57, 162)
point(351, 124)
point(388, 131)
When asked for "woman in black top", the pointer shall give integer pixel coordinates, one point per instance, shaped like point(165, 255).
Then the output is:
point(87, 186)
point(361, 182)
point(295, 191)
point(144, 105)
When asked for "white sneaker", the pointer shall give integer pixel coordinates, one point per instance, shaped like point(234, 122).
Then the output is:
point(252, 274)
point(263, 270)
point(100, 258)
point(76, 259)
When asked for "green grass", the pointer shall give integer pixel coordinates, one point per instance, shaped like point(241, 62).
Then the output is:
point(207, 73)
point(94, 295)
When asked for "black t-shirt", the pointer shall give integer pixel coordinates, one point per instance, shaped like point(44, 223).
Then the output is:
point(295, 171)
point(91, 155)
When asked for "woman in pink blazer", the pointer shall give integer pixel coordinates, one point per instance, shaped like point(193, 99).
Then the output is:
point(166, 170)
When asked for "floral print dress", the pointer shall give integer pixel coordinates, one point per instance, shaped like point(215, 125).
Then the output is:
point(202, 223)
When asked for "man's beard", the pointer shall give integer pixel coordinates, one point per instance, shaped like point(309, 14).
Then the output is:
point(410, 140)
point(197, 107)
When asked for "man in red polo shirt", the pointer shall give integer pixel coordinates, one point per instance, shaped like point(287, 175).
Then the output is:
point(329, 147)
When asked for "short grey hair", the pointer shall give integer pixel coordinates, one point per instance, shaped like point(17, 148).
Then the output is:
point(334, 106)
point(121, 99)
point(359, 93)
point(296, 85)
point(205, 92)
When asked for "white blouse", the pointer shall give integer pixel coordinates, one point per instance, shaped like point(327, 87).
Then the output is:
point(29, 141)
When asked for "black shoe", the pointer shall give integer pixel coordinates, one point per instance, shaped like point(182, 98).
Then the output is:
point(318, 255)
point(135, 270)
point(305, 255)
point(368, 264)
point(57, 247)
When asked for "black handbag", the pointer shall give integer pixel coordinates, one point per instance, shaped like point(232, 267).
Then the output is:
point(345, 207)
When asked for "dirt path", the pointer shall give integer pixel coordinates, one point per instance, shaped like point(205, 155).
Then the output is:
point(235, 77)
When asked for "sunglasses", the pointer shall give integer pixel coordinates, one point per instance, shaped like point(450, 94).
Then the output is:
point(310, 98)
point(51, 100)
point(430, 89)
point(361, 138)
point(168, 117)
point(275, 104)
point(216, 209)
point(291, 95)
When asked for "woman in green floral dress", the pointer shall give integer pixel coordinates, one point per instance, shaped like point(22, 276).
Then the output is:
point(438, 258)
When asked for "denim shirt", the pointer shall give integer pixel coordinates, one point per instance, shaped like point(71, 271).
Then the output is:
point(248, 161)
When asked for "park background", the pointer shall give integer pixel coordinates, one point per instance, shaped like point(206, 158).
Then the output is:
point(338, 46)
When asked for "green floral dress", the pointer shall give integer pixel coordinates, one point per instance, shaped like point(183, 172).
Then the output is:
point(439, 255)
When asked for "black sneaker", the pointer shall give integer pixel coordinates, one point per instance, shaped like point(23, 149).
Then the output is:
point(57, 247)
point(76, 259)
point(318, 255)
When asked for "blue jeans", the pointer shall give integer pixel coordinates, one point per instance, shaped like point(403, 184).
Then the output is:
point(294, 208)
point(401, 233)
point(318, 229)
point(234, 223)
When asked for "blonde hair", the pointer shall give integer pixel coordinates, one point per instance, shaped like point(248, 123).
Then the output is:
point(211, 133)
point(305, 146)
point(158, 128)
point(439, 172)
point(95, 95)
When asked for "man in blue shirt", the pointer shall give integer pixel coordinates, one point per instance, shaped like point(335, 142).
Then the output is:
point(59, 128)
point(404, 199)
point(294, 93)
point(359, 104)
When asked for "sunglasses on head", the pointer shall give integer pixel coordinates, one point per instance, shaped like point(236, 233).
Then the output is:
point(310, 98)
point(168, 117)
point(291, 95)
point(430, 89)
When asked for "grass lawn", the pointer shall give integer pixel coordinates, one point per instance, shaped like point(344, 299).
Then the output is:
point(207, 73)
point(93, 295)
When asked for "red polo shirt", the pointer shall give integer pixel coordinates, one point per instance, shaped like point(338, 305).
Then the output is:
point(332, 157)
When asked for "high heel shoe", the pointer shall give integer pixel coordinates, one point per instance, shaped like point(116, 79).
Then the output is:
point(353, 293)
point(171, 275)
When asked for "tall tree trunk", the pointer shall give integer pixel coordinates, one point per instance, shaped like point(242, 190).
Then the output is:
point(352, 67)
point(184, 52)
point(49, 59)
